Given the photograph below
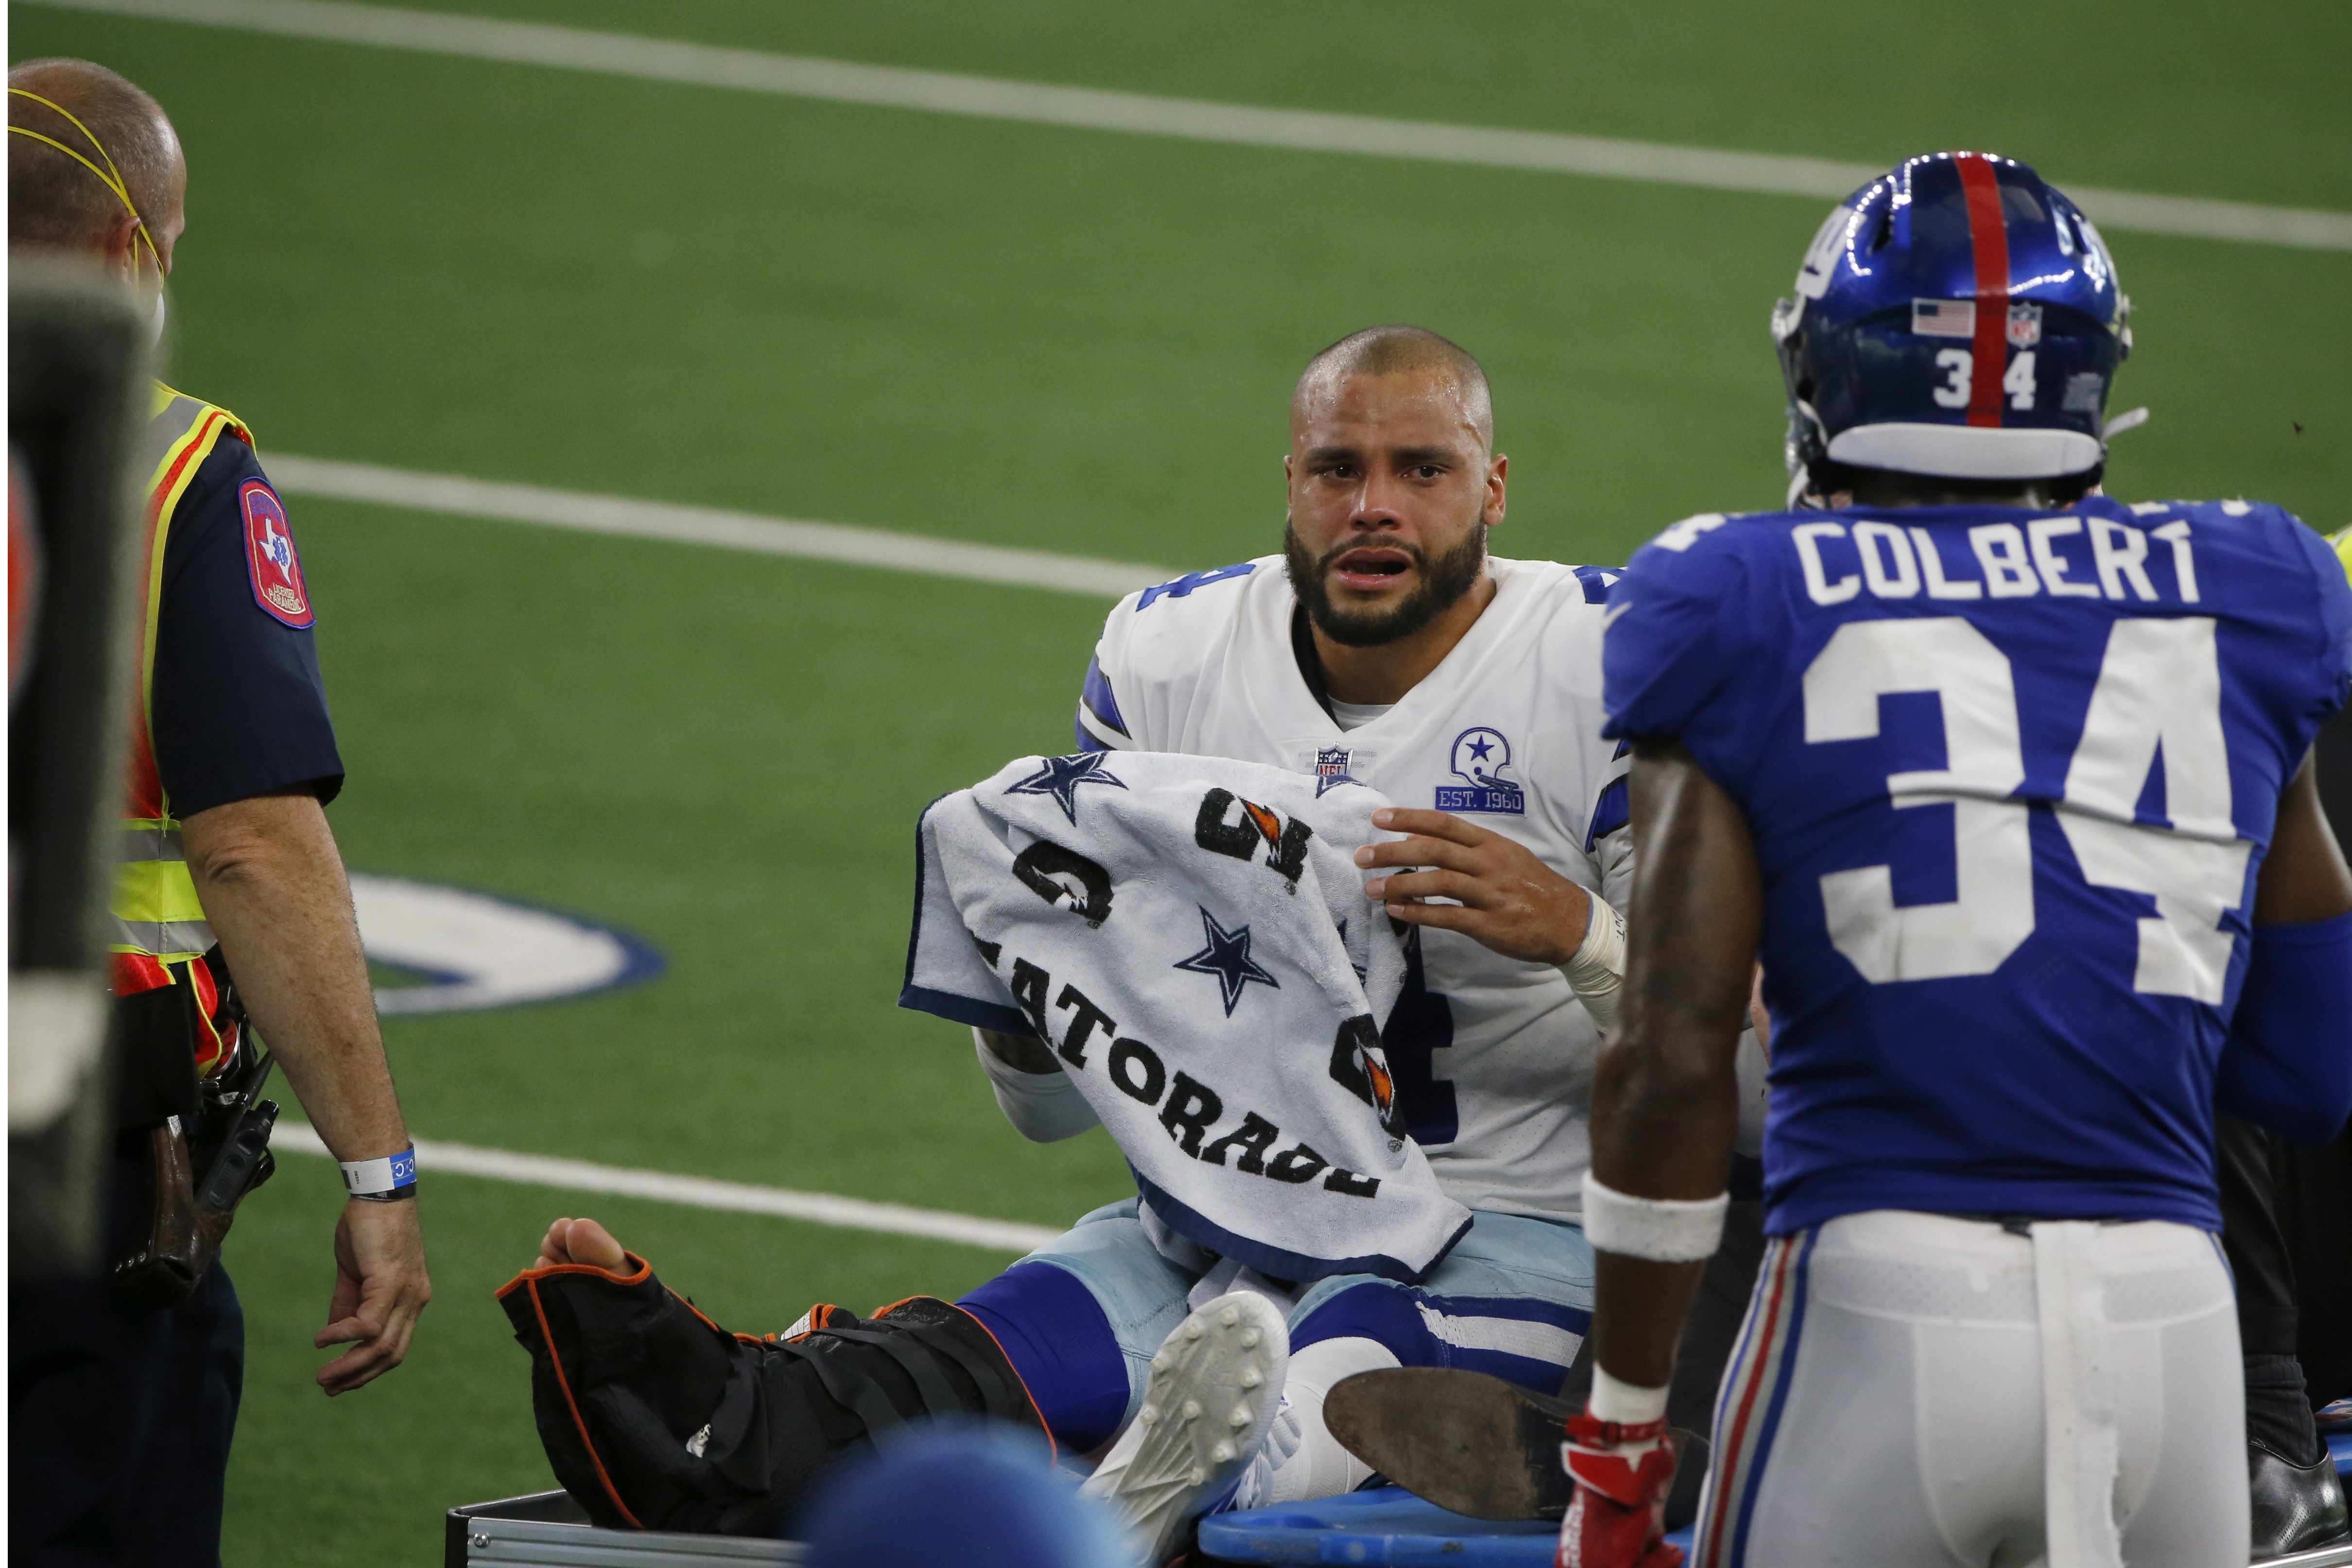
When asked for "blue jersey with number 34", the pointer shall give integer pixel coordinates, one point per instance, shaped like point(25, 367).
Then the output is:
point(2010, 774)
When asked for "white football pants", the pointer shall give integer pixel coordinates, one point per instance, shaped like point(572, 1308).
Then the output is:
point(1916, 1389)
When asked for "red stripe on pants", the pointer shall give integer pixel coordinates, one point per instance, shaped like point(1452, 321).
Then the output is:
point(1759, 1361)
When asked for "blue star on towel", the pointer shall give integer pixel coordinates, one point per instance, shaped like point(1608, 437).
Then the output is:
point(1227, 956)
point(1061, 777)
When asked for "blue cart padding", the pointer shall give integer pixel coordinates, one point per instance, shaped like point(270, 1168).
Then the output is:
point(2340, 1446)
point(1386, 1528)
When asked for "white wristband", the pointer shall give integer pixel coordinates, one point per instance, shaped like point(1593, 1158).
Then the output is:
point(1662, 1229)
point(1597, 973)
point(382, 1177)
point(1627, 1404)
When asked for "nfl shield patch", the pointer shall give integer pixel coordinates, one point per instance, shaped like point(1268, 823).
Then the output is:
point(1331, 768)
point(269, 560)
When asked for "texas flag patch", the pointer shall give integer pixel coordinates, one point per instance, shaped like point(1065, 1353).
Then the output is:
point(269, 558)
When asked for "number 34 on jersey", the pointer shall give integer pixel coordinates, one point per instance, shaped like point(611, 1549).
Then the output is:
point(2135, 682)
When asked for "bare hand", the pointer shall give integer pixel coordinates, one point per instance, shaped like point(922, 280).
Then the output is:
point(1509, 901)
point(381, 1288)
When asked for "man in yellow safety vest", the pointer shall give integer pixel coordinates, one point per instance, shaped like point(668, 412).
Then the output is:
point(230, 905)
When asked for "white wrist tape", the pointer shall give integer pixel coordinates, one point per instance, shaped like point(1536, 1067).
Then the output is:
point(1597, 973)
point(1662, 1229)
point(1627, 1404)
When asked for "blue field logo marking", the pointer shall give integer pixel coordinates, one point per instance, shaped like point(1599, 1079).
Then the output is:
point(463, 950)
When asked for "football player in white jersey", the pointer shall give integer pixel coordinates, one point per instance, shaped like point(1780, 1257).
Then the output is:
point(1384, 645)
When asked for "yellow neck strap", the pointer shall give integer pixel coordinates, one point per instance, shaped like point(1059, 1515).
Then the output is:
point(110, 176)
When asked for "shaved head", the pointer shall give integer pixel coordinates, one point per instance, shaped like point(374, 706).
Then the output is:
point(1396, 351)
point(55, 202)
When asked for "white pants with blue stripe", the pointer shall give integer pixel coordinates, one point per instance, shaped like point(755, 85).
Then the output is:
point(1921, 1389)
point(1514, 1297)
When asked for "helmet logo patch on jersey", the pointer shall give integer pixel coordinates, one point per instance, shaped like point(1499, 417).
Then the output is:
point(1480, 755)
point(271, 563)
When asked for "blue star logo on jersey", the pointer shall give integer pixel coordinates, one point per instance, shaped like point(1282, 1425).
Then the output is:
point(1480, 755)
point(1061, 777)
point(1227, 956)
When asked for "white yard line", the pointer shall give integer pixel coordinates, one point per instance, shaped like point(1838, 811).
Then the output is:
point(939, 93)
point(593, 514)
point(435, 1158)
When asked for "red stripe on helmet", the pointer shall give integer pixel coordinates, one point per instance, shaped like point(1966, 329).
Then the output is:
point(1989, 240)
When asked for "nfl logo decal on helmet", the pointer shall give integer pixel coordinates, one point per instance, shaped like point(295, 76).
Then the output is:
point(1957, 316)
point(275, 571)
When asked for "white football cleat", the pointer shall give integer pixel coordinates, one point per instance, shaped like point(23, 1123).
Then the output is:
point(1214, 1386)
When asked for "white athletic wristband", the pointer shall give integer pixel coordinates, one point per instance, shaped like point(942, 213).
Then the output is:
point(1627, 1404)
point(1597, 973)
point(1662, 1229)
point(393, 1177)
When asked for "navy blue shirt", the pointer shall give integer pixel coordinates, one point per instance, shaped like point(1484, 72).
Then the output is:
point(2010, 775)
point(237, 707)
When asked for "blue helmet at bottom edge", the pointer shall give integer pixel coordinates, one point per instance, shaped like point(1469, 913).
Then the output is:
point(1957, 316)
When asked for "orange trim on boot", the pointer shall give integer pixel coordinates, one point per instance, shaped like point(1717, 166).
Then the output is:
point(529, 1280)
point(549, 1271)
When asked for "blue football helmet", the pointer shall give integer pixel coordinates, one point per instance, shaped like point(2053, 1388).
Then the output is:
point(1956, 316)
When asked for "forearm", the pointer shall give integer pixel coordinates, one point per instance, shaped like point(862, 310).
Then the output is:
point(1665, 1097)
point(1036, 1095)
point(272, 884)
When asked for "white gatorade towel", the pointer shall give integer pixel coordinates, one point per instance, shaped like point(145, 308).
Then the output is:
point(1191, 937)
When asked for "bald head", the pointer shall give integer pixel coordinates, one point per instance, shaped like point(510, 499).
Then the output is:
point(53, 202)
point(1399, 351)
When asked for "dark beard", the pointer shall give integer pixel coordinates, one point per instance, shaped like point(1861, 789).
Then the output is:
point(1443, 580)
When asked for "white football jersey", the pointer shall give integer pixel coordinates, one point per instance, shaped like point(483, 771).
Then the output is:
point(1493, 1058)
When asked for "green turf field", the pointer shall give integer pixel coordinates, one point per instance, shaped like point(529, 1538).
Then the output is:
point(1058, 339)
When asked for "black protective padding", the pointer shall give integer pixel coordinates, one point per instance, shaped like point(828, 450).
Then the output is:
point(625, 1374)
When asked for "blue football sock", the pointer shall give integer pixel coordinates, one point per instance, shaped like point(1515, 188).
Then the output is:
point(1062, 1346)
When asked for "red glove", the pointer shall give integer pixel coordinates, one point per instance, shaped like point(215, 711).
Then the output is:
point(1617, 1516)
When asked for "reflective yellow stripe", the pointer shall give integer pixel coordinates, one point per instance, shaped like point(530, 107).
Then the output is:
point(181, 435)
point(2342, 540)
